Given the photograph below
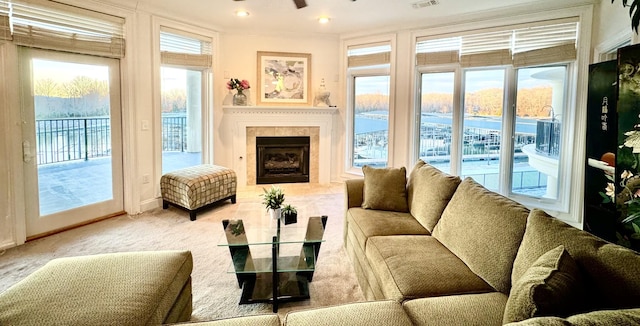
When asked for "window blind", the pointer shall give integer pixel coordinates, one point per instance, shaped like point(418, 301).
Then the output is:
point(5, 27)
point(183, 49)
point(56, 26)
point(369, 55)
point(538, 43)
point(438, 51)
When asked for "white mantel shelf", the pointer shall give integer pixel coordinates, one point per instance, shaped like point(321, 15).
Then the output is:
point(281, 109)
point(241, 117)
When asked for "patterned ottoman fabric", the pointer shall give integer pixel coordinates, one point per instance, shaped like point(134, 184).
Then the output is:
point(198, 186)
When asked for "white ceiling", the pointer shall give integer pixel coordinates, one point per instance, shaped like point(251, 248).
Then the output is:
point(347, 16)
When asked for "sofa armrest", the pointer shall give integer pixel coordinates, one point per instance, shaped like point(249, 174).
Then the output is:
point(353, 197)
point(354, 192)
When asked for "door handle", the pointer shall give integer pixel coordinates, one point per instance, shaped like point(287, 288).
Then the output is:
point(27, 156)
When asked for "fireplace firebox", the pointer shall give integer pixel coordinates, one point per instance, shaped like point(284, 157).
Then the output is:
point(282, 159)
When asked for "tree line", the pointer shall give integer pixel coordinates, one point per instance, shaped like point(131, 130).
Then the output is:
point(531, 102)
point(87, 97)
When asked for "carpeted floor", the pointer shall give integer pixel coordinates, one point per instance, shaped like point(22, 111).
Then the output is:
point(215, 291)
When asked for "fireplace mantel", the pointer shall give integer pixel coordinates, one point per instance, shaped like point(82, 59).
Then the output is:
point(304, 110)
point(283, 118)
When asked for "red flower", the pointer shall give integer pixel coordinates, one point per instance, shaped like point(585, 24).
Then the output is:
point(235, 83)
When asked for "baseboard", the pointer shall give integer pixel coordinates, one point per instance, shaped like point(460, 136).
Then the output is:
point(150, 204)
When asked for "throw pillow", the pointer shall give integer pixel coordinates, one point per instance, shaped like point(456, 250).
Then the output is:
point(385, 189)
point(428, 192)
point(552, 286)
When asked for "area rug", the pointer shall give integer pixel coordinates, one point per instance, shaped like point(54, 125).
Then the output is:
point(215, 291)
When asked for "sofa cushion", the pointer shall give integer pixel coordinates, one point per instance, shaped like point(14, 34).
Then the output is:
point(610, 272)
point(365, 223)
point(469, 309)
point(552, 286)
point(417, 266)
point(359, 313)
point(385, 189)
point(133, 288)
point(600, 317)
point(428, 192)
point(484, 229)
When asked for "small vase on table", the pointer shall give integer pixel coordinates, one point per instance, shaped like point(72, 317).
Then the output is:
point(275, 213)
point(240, 99)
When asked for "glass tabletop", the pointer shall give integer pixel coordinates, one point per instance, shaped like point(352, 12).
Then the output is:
point(243, 262)
point(237, 235)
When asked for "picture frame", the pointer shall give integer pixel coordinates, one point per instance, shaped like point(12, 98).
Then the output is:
point(284, 78)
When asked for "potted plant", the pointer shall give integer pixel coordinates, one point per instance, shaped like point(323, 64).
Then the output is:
point(272, 200)
point(290, 214)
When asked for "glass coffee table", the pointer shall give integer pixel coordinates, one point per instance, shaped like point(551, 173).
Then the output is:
point(282, 272)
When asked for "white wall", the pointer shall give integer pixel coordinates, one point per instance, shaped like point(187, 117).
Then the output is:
point(238, 59)
point(611, 25)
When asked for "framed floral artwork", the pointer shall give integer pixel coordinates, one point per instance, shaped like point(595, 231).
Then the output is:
point(284, 78)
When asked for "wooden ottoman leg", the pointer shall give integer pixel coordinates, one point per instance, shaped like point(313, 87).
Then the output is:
point(165, 204)
point(192, 215)
point(233, 199)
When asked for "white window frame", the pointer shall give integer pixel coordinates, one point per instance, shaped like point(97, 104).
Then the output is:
point(569, 206)
point(561, 202)
point(208, 124)
point(351, 73)
point(457, 116)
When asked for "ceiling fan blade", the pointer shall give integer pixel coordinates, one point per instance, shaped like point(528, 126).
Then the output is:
point(300, 3)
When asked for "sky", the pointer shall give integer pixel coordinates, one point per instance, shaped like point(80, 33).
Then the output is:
point(62, 72)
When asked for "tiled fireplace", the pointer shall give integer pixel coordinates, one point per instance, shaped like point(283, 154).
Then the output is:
point(247, 123)
point(282, 159)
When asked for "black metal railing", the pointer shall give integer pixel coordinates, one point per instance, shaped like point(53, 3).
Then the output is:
point(548, 137)
point(71, 139)
point(174, 133)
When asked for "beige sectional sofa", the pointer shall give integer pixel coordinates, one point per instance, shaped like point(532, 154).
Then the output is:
point(462, 251)
point(432, 249)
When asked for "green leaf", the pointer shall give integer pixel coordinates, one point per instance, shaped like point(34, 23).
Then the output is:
point(631, 218)
point(605, 199)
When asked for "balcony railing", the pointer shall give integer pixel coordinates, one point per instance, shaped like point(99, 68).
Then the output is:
point(60, 140)
point(70, 139)
point(174, 133)
point(548, 137)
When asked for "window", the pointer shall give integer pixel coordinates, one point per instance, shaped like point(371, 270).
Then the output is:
point(186, 60)
point(505, 129)
point(436, 116)
point(369, 85)
point(540, 99)
point(483, 105)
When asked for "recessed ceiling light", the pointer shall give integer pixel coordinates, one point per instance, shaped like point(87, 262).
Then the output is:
point(242, 13)
point(324, 20)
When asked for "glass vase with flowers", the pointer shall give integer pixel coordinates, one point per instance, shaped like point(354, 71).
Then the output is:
point(239, 85)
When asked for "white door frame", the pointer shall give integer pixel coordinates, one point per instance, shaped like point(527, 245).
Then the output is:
point(37, 225)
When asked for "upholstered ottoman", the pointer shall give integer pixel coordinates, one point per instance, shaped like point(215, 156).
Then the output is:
point(134, 288)
point(196, 187)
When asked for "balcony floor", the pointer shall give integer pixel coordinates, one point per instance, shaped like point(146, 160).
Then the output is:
point(72, 184)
